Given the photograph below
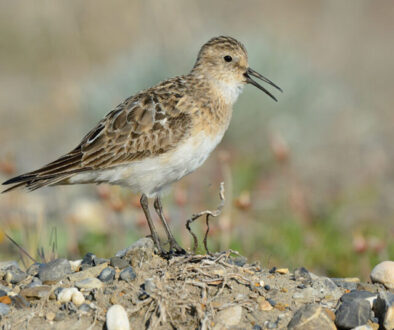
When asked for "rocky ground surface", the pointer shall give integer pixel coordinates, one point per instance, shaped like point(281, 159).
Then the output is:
point(137, 289)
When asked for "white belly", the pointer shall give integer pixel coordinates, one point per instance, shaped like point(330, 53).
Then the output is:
point(151, 175)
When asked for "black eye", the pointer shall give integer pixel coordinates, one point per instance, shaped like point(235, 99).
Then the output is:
point(228, 58)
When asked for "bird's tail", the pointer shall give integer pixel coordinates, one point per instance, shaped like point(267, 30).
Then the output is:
point(53, 173)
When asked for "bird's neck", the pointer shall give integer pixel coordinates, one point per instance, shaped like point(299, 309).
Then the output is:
point(225, 90)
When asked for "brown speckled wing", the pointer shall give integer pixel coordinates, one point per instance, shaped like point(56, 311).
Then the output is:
point(145, 125)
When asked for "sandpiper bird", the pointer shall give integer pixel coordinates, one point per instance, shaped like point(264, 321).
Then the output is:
point(159, 135)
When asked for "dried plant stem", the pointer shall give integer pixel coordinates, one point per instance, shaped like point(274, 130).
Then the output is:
point(207, 213)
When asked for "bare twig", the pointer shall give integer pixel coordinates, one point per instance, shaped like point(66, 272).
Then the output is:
point(207, 213)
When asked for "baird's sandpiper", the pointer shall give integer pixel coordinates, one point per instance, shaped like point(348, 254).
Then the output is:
point(159, 135)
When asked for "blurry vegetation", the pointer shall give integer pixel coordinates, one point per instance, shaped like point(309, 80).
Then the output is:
point(309, 180)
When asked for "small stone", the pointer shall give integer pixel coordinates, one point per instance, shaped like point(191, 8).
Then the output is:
point(264, 305)
point(6, 264)
point(149, 286)
point(85, 308)
point(89, 283)
point(302, 275)
point(117, 318)
point(5, 300)
point(34, 282)
point(257, 327)
point(75, 264)
point(347, 283)
point(33, 269)
point(87, 273)
point(270, 325)
point(141, 251)
point(127, 274)
point(66, 294)
point(78, 299)
point(228, 317)
point(19, 302)
point(271, 301)
point(384, 309)
point(267, 287)
point(88, 259)
point(282, 271)
point(118, 262)
point(14, 275)
point(272, 270)
point(50, 316)
point(311, 317)
point(60, 316)
point(107, 275)
point(384, 273)
point(4, 309)
point(239, 261)
point(324, 287)
point(352, 313)
point(355, 294)
point(54, 271)
point(3, 293)
point(36, 292)
point(99, 261)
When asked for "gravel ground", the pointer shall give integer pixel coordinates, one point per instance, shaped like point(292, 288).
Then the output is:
point(219, 291)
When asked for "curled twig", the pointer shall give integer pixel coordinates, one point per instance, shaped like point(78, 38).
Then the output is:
point(207, 213)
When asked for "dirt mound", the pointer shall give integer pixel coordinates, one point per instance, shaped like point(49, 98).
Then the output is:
point(218, 291)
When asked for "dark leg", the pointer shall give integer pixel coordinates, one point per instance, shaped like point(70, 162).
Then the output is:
point(174, 246)
point(155, 237)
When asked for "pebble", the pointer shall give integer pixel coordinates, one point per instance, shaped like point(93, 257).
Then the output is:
point(78, 299)
point(149, 286)
point(65, 295)
point(127, 274)
point(143, 249)
point(270, 325)
point(324, 287)
point(34, 282)
point(4, 309)
point(19, 302)
point(54, 271)
point(107, 274)
point(302, 275)
point(118, 262)
point(36, 292)
point(363, 327)
point(5, 300)
point(88, 259)
point(267, 287)
point(306, 295)
point(347, 283)
point(50, 316)
point(89, 283)
point(352, 313)
point(84, 308)
point(99, 261)
point(264, 304)
point(384, 273)
point(363, 295)
point(384, 309)
point(14, 275)
point(87, 273)
point(282, 271)
point(6, 264)
point(3, 293)
point(239, 261)
point(257, 327)
point(75, 264)
point(60, 316)
point(33, 269)
point(311, 317)
point(117, 318)
point(228, 317)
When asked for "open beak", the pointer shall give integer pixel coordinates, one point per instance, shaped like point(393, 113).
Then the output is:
point(250, 72)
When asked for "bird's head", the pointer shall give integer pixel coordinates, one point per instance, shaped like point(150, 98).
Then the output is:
point(224, 62)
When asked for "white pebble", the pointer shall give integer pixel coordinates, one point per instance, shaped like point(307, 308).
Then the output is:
point(384, 273)
point(117, 318)
point(75, 264)
point(66, 294)
point(77, 298)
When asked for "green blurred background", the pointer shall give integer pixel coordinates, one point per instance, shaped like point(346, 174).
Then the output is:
point(309, 180)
